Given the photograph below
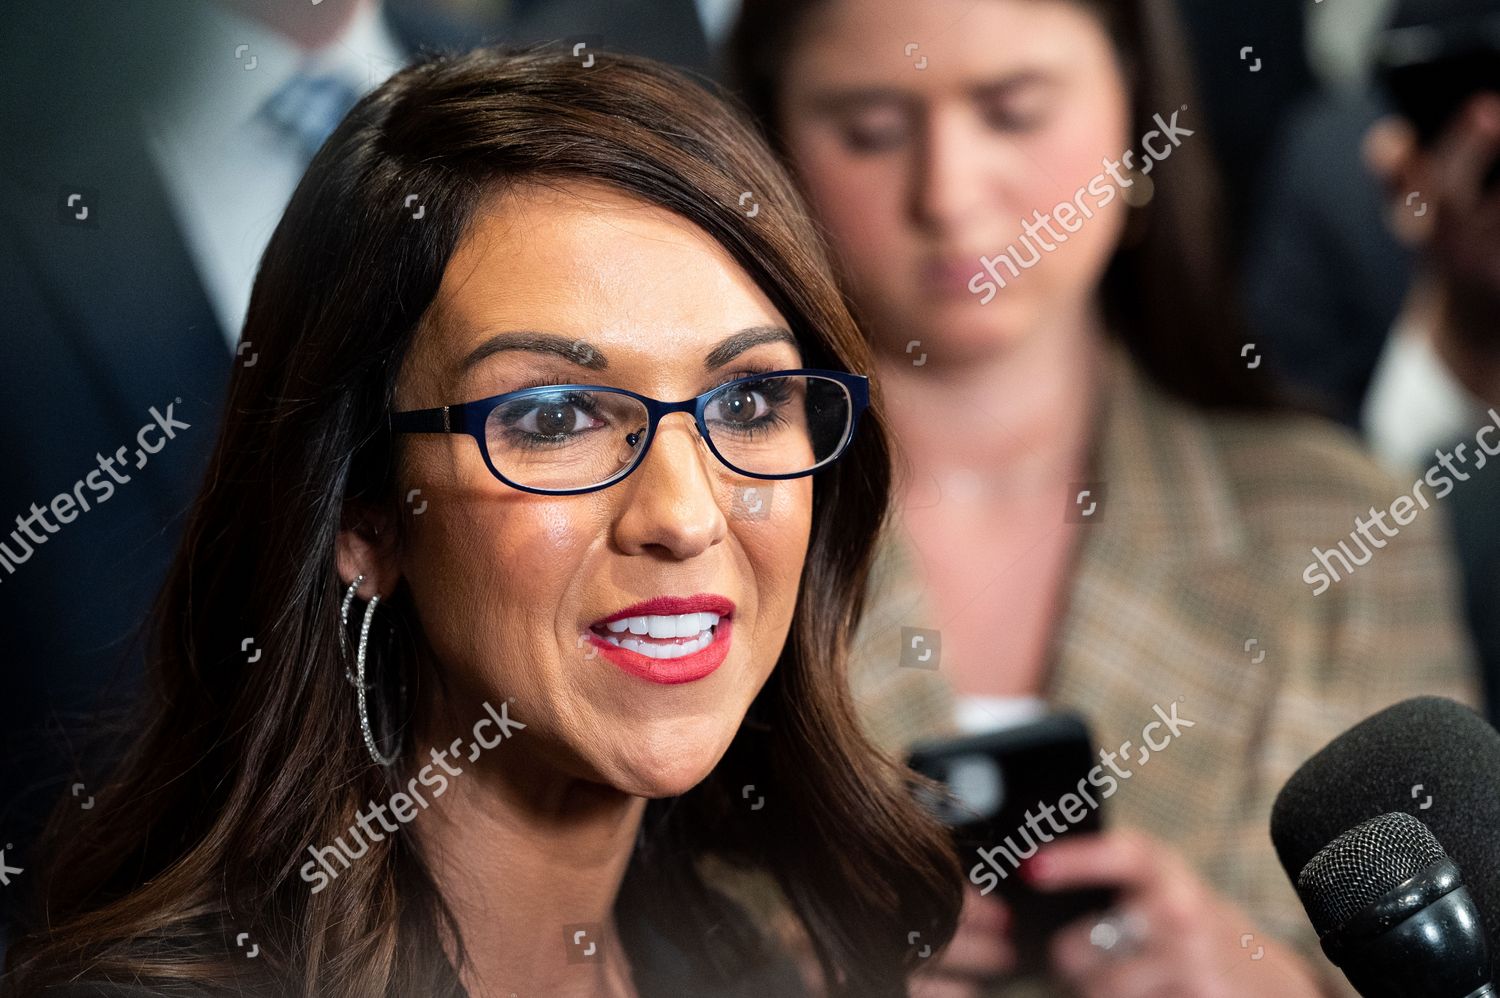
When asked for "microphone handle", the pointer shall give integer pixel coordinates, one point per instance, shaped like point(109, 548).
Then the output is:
point(1488, 991)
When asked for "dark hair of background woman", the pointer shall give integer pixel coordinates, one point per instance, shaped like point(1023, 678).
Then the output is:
point(238, 768)
point(1168, 293)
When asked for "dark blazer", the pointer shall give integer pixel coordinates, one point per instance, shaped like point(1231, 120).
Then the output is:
point(1476, 537)
point(101, 319)
point(1324, 278)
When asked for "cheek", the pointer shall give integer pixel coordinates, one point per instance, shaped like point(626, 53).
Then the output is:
point(477, 570)
point(1071, 153)
point(777, 550)
point(1073, 156)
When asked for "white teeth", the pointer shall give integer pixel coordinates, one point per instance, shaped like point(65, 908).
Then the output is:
point(680, 625)
point(651, 650)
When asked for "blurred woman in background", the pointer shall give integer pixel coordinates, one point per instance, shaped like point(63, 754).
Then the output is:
point(1105, 507)
point(487, 278)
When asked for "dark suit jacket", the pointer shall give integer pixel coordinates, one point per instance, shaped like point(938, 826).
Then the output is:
point(102, 318)
point(1475, 508)
point(1324, 278)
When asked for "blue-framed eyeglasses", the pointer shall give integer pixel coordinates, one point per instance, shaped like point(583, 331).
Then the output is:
point(568, 439)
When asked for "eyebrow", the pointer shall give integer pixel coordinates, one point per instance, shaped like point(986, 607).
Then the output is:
point(858, 99)
point(585, 354)
point(1010, 84)
point(844, 100)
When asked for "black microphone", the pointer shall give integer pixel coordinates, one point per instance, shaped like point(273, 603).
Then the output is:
point(1431, 758)
point(1391, 911)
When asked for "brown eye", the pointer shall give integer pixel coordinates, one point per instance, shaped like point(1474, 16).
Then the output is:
point(738, 406)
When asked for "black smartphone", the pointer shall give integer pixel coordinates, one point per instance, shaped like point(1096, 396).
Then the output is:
point(1431, 70)
point(1008, 792)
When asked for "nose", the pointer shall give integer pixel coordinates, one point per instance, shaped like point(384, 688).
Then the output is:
point(670, 503)
point(948, 183)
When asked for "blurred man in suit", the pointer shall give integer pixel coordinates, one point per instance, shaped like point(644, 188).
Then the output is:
point(150, 153)
point(1373, 276)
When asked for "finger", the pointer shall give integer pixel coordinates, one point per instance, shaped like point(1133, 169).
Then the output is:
point(1126, 860)
point(943, 987)
point(1391, 155)
point(980, 947)
point(1136, 978)
point(977, 954)
point(987, 913)
point(1098, 973)
point(1073, 956)
point(1466, 152)
point(1076, 958)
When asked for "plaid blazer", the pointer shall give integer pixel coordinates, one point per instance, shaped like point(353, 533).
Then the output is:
point(1207, 524)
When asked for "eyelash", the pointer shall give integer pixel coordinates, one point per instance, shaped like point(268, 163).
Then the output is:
point(535, 442)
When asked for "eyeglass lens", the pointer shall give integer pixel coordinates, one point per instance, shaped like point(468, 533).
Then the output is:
point(574, 438)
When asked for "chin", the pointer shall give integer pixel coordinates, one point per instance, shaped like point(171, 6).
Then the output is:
point(967, 332)
point(670, 760)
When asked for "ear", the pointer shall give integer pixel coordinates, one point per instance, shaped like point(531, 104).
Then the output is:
point(367, 546)
point(1391, 154)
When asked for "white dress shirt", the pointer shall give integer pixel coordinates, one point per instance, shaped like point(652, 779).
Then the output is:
point(228, 175)
point(717, 18)
point(1414, 405)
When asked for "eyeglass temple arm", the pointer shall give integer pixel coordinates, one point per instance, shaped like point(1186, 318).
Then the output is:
point(439, 420)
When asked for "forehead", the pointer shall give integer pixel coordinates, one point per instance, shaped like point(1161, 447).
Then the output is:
point(957, 42)
point(585, 261)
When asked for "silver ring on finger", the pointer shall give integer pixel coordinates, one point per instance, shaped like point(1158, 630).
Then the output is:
point(1119, 933)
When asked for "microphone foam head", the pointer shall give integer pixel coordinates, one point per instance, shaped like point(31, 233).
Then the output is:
point(1362, 865)
point(1429, 757)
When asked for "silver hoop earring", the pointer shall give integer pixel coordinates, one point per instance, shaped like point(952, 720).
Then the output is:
point(344, 630)
point(361, 687)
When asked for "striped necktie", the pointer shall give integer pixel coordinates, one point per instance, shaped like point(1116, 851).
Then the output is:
point(308, 107)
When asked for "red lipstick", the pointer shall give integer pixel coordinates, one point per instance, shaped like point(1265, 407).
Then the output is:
point(667, 605)
point(670, 671)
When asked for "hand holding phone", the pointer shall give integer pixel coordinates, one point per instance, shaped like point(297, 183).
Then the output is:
point(1006, 793)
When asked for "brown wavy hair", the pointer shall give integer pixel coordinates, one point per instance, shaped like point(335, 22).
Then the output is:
point(235, 769)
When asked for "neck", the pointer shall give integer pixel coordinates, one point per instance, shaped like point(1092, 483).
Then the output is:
point(1020, 415)
point(527, 859)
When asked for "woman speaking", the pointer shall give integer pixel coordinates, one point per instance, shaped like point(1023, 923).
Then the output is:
point(518, 588)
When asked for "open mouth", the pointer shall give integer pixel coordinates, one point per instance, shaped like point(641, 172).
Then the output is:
point(661, 636)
